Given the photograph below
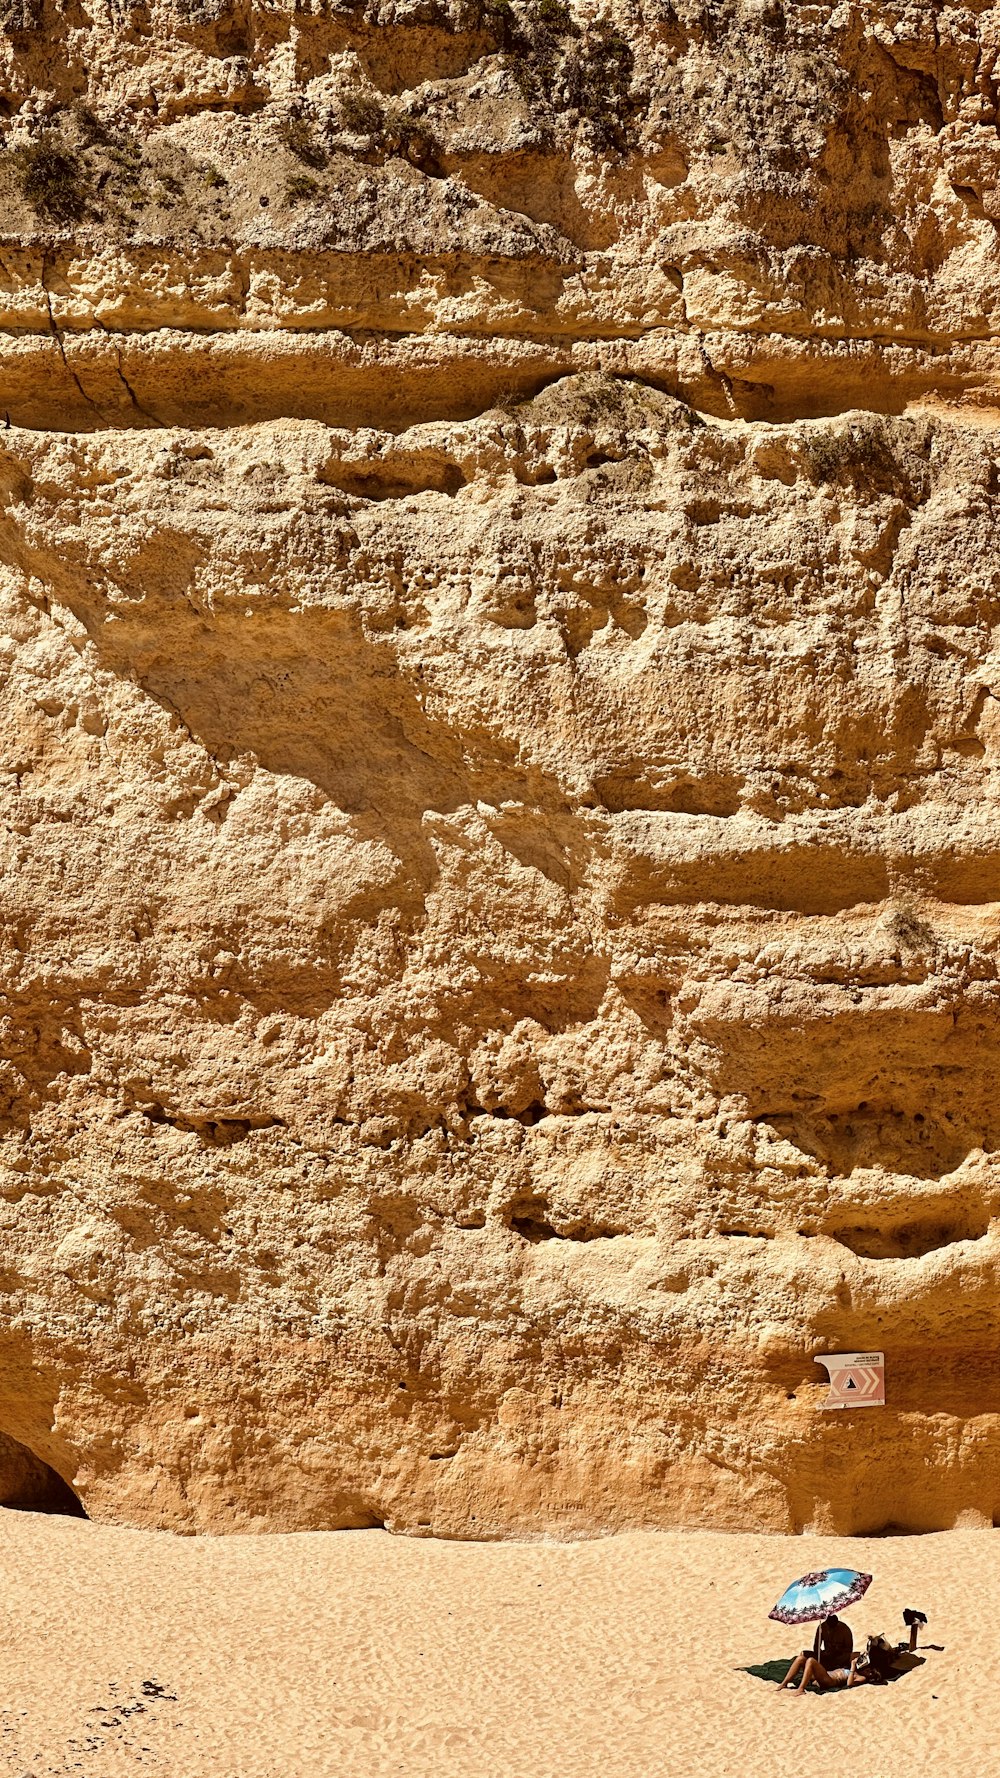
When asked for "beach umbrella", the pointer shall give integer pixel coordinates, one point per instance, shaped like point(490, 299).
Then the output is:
point(817, 1595)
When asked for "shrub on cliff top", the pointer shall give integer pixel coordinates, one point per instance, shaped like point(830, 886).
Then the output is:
point(394, 130)
point(299, 188)
point(581, 73)
point(361, 114)
point(296, 132)
point(406, 134)
point(52, 179)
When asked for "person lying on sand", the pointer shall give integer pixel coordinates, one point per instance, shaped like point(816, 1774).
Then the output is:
point(814, 1673)
point(886, 1660)
point(832, 1662)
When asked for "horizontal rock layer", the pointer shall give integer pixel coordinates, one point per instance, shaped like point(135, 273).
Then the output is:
point(500, 896)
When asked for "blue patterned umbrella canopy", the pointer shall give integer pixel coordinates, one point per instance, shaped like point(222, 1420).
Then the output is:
point(816, 1595)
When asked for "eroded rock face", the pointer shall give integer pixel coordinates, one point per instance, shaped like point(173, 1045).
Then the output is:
point(499, 910)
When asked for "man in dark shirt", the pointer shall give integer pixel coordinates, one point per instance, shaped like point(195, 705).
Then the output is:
point(833, 1643)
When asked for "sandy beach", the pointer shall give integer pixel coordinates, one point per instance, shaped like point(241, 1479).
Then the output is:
point(358, 1655)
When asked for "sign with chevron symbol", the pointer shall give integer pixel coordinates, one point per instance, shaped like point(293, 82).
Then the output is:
point(857, 1379)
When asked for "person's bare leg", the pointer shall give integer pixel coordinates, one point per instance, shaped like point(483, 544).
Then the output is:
point(815, 1671)
point(794, 1670)
point(807, 1675)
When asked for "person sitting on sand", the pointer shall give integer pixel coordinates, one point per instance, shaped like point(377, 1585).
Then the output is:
point(832, 1663)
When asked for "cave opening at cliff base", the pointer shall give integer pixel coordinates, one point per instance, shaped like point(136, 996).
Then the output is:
point(29, 1484)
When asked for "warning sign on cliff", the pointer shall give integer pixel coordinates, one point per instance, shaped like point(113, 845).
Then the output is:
point(857, 1379)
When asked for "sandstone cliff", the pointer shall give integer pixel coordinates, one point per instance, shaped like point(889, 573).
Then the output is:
point(500, 661)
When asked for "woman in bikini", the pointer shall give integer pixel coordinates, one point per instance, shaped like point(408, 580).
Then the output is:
point(832, 1665)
